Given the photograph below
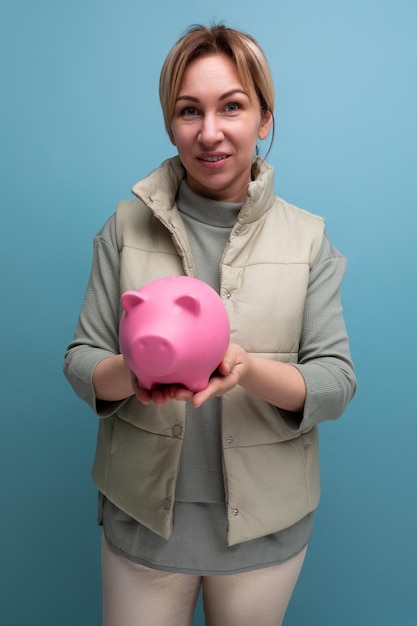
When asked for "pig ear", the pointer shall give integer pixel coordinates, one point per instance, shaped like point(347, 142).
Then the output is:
point(189, 303)
point(130, 299)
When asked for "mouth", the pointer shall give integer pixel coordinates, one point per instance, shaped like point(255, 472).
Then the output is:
point(213, 160)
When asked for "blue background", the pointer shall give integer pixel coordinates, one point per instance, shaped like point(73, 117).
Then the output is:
point(80, 123)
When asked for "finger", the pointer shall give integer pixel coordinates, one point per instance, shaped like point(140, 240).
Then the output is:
point(213, 389)
point(225, 367)
point(158, 398)
point(143, 395)
point(181, 393)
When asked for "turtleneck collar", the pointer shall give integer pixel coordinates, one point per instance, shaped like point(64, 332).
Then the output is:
point(205, 210)
point(159, 189)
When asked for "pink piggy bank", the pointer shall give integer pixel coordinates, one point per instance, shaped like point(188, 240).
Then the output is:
point(173, 330)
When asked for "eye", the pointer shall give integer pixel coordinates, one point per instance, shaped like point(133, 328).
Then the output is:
point(189, 112)
point(232, 107)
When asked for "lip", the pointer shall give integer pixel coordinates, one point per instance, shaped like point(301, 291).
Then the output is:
point(213, 160)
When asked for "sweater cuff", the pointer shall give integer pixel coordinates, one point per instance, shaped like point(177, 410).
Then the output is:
point(82, 368)
point(330, 388)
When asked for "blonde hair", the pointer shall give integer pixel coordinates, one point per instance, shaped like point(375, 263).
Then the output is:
point(198, 41)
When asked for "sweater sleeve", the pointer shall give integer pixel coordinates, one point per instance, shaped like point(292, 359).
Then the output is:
point(324, 358)
point(96, 334)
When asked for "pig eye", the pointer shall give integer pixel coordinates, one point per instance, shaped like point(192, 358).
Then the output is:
point(189, 303)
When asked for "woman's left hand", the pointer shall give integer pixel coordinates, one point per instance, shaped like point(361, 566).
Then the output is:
point(229, 373)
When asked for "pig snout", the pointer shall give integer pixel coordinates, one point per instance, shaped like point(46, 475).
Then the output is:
point(155, 354)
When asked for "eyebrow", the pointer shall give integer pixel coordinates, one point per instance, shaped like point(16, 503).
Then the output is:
point(232, 92)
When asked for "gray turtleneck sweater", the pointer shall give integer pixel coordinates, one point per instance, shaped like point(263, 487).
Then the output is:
point(208, 225)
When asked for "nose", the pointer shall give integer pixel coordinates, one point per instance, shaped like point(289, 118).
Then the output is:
point(210, 130)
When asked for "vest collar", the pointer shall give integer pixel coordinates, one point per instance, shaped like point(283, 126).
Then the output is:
point(159, 189)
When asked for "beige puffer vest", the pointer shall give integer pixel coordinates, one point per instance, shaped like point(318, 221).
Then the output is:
point(271, 472)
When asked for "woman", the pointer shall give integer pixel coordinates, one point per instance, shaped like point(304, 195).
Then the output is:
point(215, 489)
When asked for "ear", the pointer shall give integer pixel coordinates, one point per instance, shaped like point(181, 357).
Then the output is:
point(130, 299)
point(265, 126)
point(189, 303)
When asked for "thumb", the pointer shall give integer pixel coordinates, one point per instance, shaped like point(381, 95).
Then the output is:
point(225, 366)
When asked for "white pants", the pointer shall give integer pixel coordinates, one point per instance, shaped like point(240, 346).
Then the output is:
point(134, 595)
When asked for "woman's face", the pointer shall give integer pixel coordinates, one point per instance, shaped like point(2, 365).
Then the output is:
point(215, 129)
